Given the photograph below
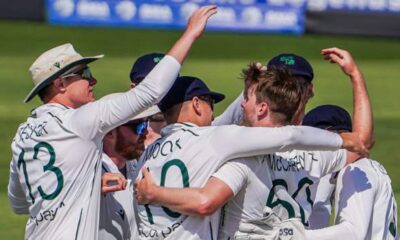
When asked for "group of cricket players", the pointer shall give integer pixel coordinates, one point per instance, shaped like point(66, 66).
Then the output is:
point(154, 163)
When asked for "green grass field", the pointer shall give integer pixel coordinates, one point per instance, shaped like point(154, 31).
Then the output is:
point(217, 58)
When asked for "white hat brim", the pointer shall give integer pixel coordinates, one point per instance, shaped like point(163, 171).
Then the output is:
point(147, 113)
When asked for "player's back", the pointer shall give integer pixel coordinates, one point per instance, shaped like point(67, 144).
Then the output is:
point(293, 173)
point(56, 176)
point(370, 193)
point(183, 157)
point(277, 182)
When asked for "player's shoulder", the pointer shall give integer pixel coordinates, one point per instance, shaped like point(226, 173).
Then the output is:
point(249, 164)
point(370, 166)
point(308, 154)
point(41, 122)
point(363, 171)
point(222, 131)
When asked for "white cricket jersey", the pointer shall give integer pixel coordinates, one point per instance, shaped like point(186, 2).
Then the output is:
point(321, 211)
point(293, 176)
point(280, 181)
point(365, 207)
point(117, 213)
point(187, 155)
point(55, 172)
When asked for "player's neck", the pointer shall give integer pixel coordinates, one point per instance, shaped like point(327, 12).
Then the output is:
point(60, 100)
point(268, 122)
point(118, 160)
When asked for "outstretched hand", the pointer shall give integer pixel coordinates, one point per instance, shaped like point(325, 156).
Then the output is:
point(112, 182)
point(198, 20)
point(145, 188)
point(343, 58)
point(194, 29)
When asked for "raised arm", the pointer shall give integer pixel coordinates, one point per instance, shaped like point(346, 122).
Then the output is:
point(231, 142)
point(362, 116)
point(195, 28)
point(233, 114)
point(101, 116)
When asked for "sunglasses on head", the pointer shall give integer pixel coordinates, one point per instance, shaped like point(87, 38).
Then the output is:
point(85, 73)
point(138, 127)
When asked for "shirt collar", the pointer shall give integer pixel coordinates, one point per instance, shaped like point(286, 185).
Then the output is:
point(172, 128)
point(45, 108)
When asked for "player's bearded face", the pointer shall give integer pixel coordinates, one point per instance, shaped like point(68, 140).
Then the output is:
point(128, 144)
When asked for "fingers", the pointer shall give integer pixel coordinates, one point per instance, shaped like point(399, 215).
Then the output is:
point(211, 10)
point(112, 182)
point(198, 20)
point(207, 9)
point(334, 55)
point(334, 50)
point(140, 195)
point(145, 172)
point(341, 57)
point(333, 58)
point(108, 189)
point(204, 12)
point(144, 187)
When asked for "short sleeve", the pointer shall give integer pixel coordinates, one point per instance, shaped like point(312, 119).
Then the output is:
point(321, 163)
point(234, 174)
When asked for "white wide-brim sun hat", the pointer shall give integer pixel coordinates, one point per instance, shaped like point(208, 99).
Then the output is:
point(52, 64)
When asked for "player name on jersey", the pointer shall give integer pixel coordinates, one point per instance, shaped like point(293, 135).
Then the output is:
point(295, 163)
point(163, 148)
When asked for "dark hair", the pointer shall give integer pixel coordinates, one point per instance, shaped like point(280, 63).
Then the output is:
point(44, 92)
point(284, 92)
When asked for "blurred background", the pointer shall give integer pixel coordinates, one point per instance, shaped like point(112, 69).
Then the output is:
point(243, 31)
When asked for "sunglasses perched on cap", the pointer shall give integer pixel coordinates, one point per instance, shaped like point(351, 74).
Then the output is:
point(85, 73)
point(208, 99)
point(139, 127)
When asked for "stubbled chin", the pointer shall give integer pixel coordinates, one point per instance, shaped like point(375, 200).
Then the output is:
point(245, 123)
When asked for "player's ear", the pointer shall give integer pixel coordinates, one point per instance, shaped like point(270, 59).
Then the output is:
point(133, 85)
point(262, 109)
point(310, 91)
point(196, 105)
point(111, 134)
point(109, 141)
point(59, 85)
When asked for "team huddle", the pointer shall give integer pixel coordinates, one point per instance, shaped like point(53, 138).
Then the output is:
point(154, 163)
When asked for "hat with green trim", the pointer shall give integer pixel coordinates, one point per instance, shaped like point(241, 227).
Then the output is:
point(298, 65)
point(54, 63)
